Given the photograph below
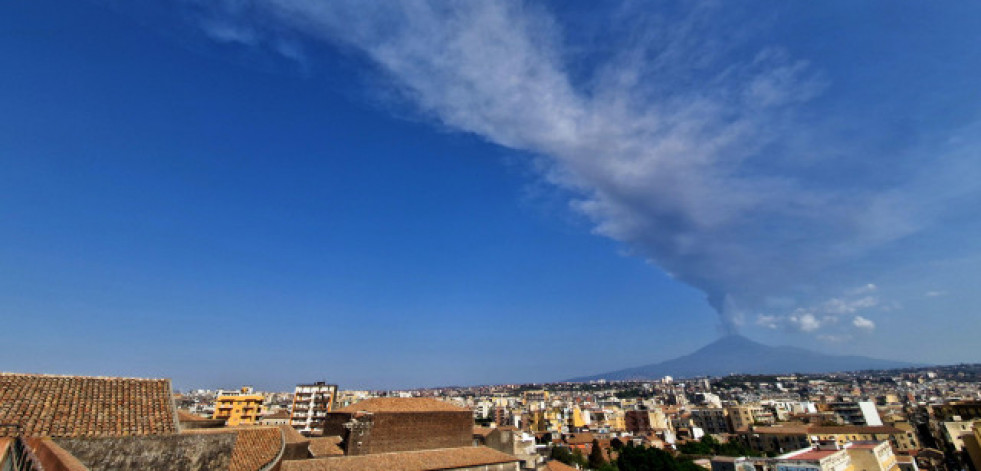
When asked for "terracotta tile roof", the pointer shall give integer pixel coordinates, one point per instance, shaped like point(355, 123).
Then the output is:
point(402, 404)
point(425, 460)
point(277, 415)
point(558, 466)
point(255, 446)
point(779, 430)
point(855, 429)
point(185, 416)
point(73, 406)
point(482, 431)
point(580, 438)
point(325, 446)
point(291, 435)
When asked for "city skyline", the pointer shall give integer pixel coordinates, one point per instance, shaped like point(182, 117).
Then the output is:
point(420, 194)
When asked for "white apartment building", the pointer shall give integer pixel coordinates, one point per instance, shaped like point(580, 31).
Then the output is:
point(311, 403)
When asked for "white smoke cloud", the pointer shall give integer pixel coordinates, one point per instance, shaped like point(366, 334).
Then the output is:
point(818, 317)
point(805, 321)
point(863, 323)
point(674, 145)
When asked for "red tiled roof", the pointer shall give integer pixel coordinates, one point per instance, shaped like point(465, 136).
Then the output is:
point(291, 435)
point(402, 404)
point(779, 430)
point(74, 406)
point(580, 438)
point(185, 416)
point(325, 446)
point(255, 446)
point(425, 460)
point(558, 466)
point(856, 430)
point(277, 415)
point(482, 431)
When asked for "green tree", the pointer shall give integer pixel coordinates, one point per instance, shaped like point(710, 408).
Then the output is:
point(562, 454)
point(708, 445)
point(652, 459)
point(596, 456)
point(616, 443)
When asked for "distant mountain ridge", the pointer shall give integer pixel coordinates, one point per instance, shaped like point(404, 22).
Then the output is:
point(740, 355)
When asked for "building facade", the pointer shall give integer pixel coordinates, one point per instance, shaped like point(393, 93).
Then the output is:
point(386, 425)
point(311, 403)
point(242, 407)
point(711, 420)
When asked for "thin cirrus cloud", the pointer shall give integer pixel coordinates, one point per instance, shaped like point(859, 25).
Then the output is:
point(685, 148)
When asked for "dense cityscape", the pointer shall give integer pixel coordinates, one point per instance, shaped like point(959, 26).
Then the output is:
point(892, 420)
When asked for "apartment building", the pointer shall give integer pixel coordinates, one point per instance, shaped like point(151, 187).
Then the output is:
point(311, 403)
point(743, 416)
point(861, 413)
point(242, 407)
point(711, 420)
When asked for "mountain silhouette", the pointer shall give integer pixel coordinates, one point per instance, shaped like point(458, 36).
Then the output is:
point(735, 354)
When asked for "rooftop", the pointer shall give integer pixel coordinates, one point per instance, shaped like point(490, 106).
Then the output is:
point(425, 460)
point(856, 429)
point(780, 430)
point(325, 446)
point(558, 466)
point(232, 449)
point(403, 404)
point(808, 454)
point(94, 406)
point(254, 446)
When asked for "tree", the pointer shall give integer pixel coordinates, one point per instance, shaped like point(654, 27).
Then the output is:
point(708, 445)
point(596, 456)
point(634, 458)
point(616, 443)
point(562, 454)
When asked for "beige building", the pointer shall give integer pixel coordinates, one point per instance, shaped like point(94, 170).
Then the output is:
point(742, 416)
point(711, 420)
point(831, 456)
point(972, 444)
point(778, 439)
point(901, 440)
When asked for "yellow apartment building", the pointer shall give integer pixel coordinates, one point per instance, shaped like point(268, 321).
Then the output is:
point(242, 407)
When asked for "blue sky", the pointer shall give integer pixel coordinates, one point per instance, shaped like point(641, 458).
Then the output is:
point(409, 194)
